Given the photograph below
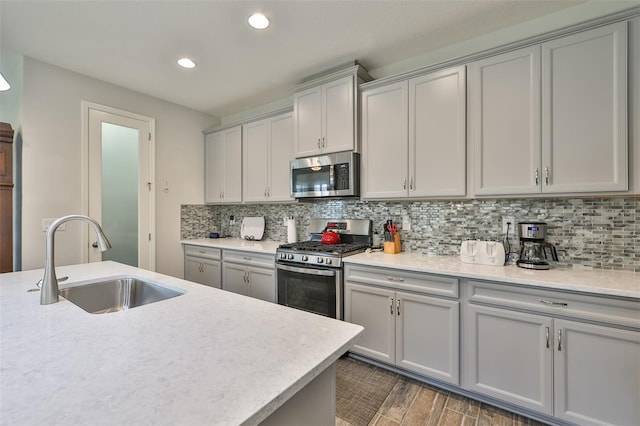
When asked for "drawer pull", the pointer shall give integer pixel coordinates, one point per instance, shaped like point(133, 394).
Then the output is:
point(391, 307)
point(395, 280)
point(246, 258)
point(551, 302)
point(398, 307)
point(201, 251)
point(546, 335)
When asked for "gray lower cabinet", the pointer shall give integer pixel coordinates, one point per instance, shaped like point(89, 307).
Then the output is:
point(250, 274)
point(405, 325)
point(202, 265)
point(575, 357)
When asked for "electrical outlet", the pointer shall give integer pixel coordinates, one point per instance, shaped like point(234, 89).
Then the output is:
point(232, 220)
point(505, 225)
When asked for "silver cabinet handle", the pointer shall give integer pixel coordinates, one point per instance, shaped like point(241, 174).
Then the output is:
point(398, 307)
point(404, 184)
point(559, 339)
point(324, 145)
point(395, 280)
point(411, 184)
point(391, 307)
point(546, 176)
point(537, 177)
point(319, 146)
point(247, 258)
point(552, 303)
point(546, 335)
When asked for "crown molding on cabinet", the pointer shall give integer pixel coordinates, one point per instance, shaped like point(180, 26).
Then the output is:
point(333, 74)
point(248, 120)
point(463, 60)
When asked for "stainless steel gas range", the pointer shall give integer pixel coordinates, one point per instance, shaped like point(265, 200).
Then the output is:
point(309, 273)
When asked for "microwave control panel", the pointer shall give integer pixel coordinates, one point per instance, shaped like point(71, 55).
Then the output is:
point(342, 176)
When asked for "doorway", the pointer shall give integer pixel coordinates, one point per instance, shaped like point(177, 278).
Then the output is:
point(119, 184)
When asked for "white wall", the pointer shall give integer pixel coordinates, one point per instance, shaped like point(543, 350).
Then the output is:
point(51, 123)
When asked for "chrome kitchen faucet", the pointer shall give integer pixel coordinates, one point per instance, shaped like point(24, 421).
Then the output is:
point(49, 290)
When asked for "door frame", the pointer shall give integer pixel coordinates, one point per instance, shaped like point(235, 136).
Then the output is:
point(84, 183)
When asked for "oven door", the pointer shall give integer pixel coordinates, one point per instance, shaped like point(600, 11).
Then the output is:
point(317, 290)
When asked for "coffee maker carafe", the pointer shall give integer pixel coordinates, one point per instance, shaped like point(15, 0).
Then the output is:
point(535, 252)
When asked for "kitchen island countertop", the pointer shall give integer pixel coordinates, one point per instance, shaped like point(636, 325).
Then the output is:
point(576, 278)
point(205, 357)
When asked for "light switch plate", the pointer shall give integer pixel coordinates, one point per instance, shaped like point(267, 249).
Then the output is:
point(406, 223)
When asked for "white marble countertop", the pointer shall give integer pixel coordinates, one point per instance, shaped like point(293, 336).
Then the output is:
point(236, 244)
point(205, 357)
point(576, 278)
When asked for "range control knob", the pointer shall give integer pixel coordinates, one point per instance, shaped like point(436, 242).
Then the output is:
point(328, 262)
point(290, 257)
point(283, 255)
point(320, 260)
point(305, 257)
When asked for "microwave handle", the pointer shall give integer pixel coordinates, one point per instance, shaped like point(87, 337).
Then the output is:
point(332, 180)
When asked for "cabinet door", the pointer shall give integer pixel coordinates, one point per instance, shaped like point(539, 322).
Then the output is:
point(338, 115)
point(427, 336)
point(280, 155)
point(307, 121)
point(255, 144)
point(193, 270)
point(234, 279)
point(374, 309)
point(508, 356)
point(437, 133)
point(597, 374)
point(504, 94)
point(214, 167)
point(212, 271)
point(584, 104)
point(262, 284)
point(233, 165)
point(384, 162)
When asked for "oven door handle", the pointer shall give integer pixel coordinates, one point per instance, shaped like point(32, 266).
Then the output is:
point(310, 271)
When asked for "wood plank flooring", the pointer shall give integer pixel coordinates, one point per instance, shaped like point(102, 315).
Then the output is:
point(368, 395)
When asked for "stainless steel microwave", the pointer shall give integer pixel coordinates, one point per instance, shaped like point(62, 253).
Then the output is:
point(331, 175)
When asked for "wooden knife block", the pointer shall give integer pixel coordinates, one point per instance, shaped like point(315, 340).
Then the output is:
point(393, 247)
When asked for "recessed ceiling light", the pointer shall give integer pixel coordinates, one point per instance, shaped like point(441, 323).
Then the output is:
point(258, 21)
point(186, 63)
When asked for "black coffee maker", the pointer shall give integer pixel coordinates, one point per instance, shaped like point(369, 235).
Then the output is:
point(535, 252)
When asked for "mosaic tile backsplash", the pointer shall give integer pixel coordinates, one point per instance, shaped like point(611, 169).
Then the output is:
point(597, 232)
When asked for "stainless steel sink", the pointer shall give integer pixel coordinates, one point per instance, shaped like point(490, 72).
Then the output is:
point(116, 294)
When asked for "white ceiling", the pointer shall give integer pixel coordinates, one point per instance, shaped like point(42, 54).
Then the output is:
point(135, 44)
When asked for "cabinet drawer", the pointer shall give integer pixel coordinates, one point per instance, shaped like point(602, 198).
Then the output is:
point(609, 310)
point(403, 280)
point(205, 252)
point(250, 258)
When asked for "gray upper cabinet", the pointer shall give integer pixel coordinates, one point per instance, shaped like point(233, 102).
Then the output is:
point(325, 118)
point(414, 137)
point(504, 121)
point(552, 118)
point(584, 107)
point(267, 150)
point(325, 112)
point(223, 166)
